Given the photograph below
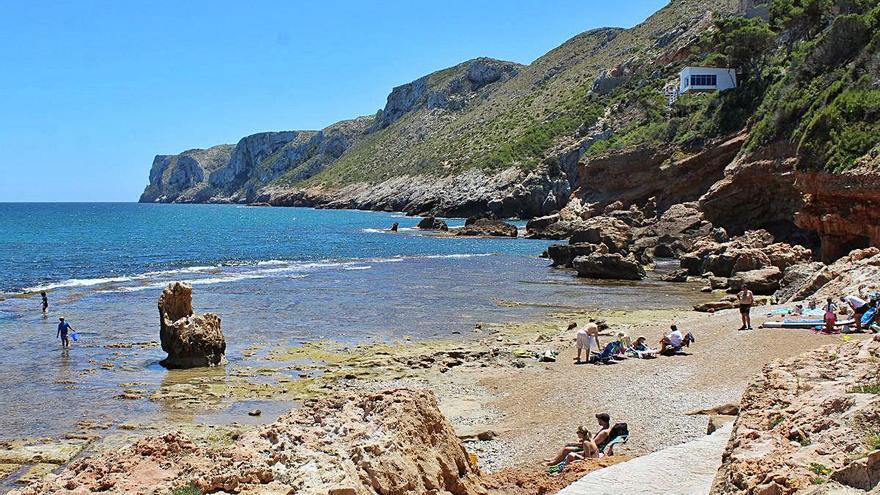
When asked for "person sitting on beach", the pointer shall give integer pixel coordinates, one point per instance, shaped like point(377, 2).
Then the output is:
point(641, 344)
point(830, 315)
point(672, 342)
point(602, 437)
point(584, 340)
point(582, 449)
point(640, 348)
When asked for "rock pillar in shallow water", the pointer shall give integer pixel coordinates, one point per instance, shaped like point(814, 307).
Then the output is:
point(191, 340)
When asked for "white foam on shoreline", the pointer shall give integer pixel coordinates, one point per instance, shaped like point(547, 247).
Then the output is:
point(230, 272)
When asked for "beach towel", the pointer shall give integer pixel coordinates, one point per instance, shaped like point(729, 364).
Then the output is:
point(868, 317)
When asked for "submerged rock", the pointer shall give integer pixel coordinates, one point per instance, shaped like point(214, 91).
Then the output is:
point(191, 340)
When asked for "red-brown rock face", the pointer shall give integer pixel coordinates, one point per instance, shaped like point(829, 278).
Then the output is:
point(634, 176)
point(844, 209)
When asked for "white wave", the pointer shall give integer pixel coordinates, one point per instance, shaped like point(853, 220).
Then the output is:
point(230, 272)
point(78, 282)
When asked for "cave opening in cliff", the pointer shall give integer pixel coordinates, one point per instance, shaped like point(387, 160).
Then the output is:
point(836, 247)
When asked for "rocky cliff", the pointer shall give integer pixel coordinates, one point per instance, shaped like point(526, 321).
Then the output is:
point(793, 149)
point(484, 135)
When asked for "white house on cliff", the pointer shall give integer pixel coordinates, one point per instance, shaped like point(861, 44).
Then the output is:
point(699, 79)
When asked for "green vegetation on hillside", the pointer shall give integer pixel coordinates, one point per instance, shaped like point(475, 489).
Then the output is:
point(825, 97)
point(808, 76)
point(523, 121)
point(818, 90)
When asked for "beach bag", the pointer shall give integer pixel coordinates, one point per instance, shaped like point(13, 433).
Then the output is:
point(74, 336)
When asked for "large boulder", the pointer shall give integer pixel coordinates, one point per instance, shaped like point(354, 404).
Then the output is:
point(564, 254)
point(432, 223)
point(551, 227)
point(764, 281)
point(748, 259)
point(191, 340)
point(609, 266)
point(612, 232)
point(487, 227)
point(673, 233)
point(799, 281)
point(394, 442)
point(782, 255)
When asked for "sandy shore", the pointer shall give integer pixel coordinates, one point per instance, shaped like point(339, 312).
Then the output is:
point(536, 408)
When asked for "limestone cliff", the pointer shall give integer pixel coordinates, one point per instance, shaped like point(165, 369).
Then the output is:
point(485, 135)
point(597, 124)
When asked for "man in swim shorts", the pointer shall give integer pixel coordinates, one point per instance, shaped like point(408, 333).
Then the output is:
point(746, 301)
point(63, 329)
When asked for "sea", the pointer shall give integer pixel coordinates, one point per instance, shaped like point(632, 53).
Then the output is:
point(276, 277)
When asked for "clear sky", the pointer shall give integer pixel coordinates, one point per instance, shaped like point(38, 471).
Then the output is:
point(92, 90)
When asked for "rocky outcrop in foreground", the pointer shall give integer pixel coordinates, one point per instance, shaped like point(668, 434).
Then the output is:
point(191, 340)
point(808, 425)
point(391, 443)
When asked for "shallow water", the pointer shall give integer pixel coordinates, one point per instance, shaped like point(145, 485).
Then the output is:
point(276, 276)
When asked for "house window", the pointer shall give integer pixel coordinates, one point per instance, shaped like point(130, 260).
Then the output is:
point(704, 80)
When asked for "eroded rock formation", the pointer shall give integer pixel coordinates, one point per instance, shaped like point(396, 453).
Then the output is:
point(191, 340)
point(390, 443)
point(805, 422)
point(844, 209)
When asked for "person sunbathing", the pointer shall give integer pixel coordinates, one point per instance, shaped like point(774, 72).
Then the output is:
point(641, 344)
point(640, 348)
point(581, 449)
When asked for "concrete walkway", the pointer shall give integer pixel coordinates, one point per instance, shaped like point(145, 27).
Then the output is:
point(686, 469)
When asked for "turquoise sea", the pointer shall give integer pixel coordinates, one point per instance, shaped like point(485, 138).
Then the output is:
point(276, 276)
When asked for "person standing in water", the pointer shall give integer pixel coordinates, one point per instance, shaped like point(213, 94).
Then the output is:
point(63, 329)
point(45, 302)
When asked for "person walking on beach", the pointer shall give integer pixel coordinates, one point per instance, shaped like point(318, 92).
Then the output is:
point(45, 302)
point(746, 300)
point(63, 329)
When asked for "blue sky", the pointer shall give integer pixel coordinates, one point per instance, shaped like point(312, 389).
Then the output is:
point(92, 90)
